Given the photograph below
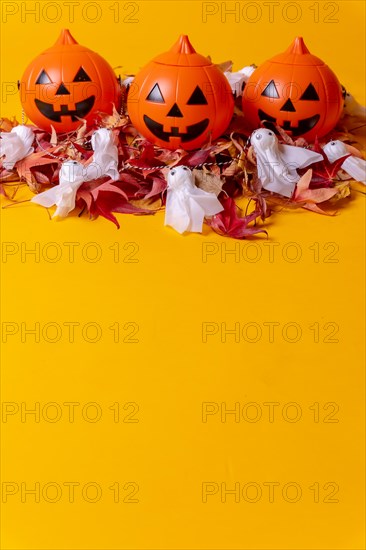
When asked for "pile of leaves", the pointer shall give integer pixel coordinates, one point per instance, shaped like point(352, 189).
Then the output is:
point(226, 167)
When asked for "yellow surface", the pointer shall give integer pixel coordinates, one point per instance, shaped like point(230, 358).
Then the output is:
point(183, 452)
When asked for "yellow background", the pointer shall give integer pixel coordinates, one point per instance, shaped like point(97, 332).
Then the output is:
point(170, 292)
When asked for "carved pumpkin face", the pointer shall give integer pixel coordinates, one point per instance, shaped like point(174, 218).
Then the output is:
point(180, 99)
point(68, 82)
point(295, 90)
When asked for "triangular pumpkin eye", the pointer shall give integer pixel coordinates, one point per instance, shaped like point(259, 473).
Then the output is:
point(43, 78)
point(197, 98)
point(81, 76)
point(310, 94)
point(155, 95)
point(271, 90)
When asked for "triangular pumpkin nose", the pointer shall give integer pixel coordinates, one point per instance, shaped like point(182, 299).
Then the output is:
point(175, 111)
point(62, 90)
point(288, 106)
point(65, 38)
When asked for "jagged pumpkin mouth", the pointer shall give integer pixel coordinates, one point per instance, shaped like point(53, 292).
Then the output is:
point(82, 108)
point(304, 125)
point(193, 130)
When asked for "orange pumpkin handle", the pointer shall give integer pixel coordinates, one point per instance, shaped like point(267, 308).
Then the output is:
point(65, 38)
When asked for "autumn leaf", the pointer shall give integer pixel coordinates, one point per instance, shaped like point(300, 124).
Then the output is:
point(225, 66)
point(86, 154)
point(232, 169)
point(158, 187)
point(324, 172)
point(343, 191)
point(116, 120)
point(103, 198)
point(195, 158)
point(2, 190)
point(53, 139)
point(146, 161)
point(229, 224)
point(6, 125)
point(310, 198)
point(36, 164)
point(81, 131)
point(207, 181)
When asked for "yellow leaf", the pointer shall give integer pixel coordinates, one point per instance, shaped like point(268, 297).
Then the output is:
point(343, 191)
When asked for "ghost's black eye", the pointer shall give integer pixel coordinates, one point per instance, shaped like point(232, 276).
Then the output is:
point(197, 98)
point(81, 76)
point(185, 168)
point(43, 78)
point(155, 95)
point(270, 134)
point(172, 172)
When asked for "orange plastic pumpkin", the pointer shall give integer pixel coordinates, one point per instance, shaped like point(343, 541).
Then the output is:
point(180, 99)
point(68, 82)
point(295, 90)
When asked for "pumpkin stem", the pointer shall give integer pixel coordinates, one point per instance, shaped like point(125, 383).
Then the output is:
point(65, 38)
point(298, 46)
point(183, 45)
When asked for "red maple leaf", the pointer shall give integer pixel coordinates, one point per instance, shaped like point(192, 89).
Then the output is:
point(146, 160)
point(103, 198)
point(229, 224)
point(324, 171)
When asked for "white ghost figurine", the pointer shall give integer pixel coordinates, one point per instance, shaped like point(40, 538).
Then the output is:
point(186, 204)
point(16, 145)
point(73, 174)
point(238, 79)
point(105, 157)
point(127, 82)
point(352, 107)
point(354, 166)
point(277, 163)
point(63, 195)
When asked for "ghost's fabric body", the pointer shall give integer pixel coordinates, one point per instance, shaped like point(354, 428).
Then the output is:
point(73, 174)
point(277, 164)
point(105, 157)
point(237, 80)
point(127, 82)
point(16, 145)
point(63, 195)
point(186, 204)
point(352, 107)
point(354, 166)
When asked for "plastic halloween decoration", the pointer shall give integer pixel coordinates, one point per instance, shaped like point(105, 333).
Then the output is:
point(354, 166)
point(15, 145)
point(105, 157)
point(277, 163)
point(63, 195)
point(180, 99)
point(295, 90)
point(186, 204)
point(66, 83)
point(351, 107)
point(73, 174)
point(238, 80)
